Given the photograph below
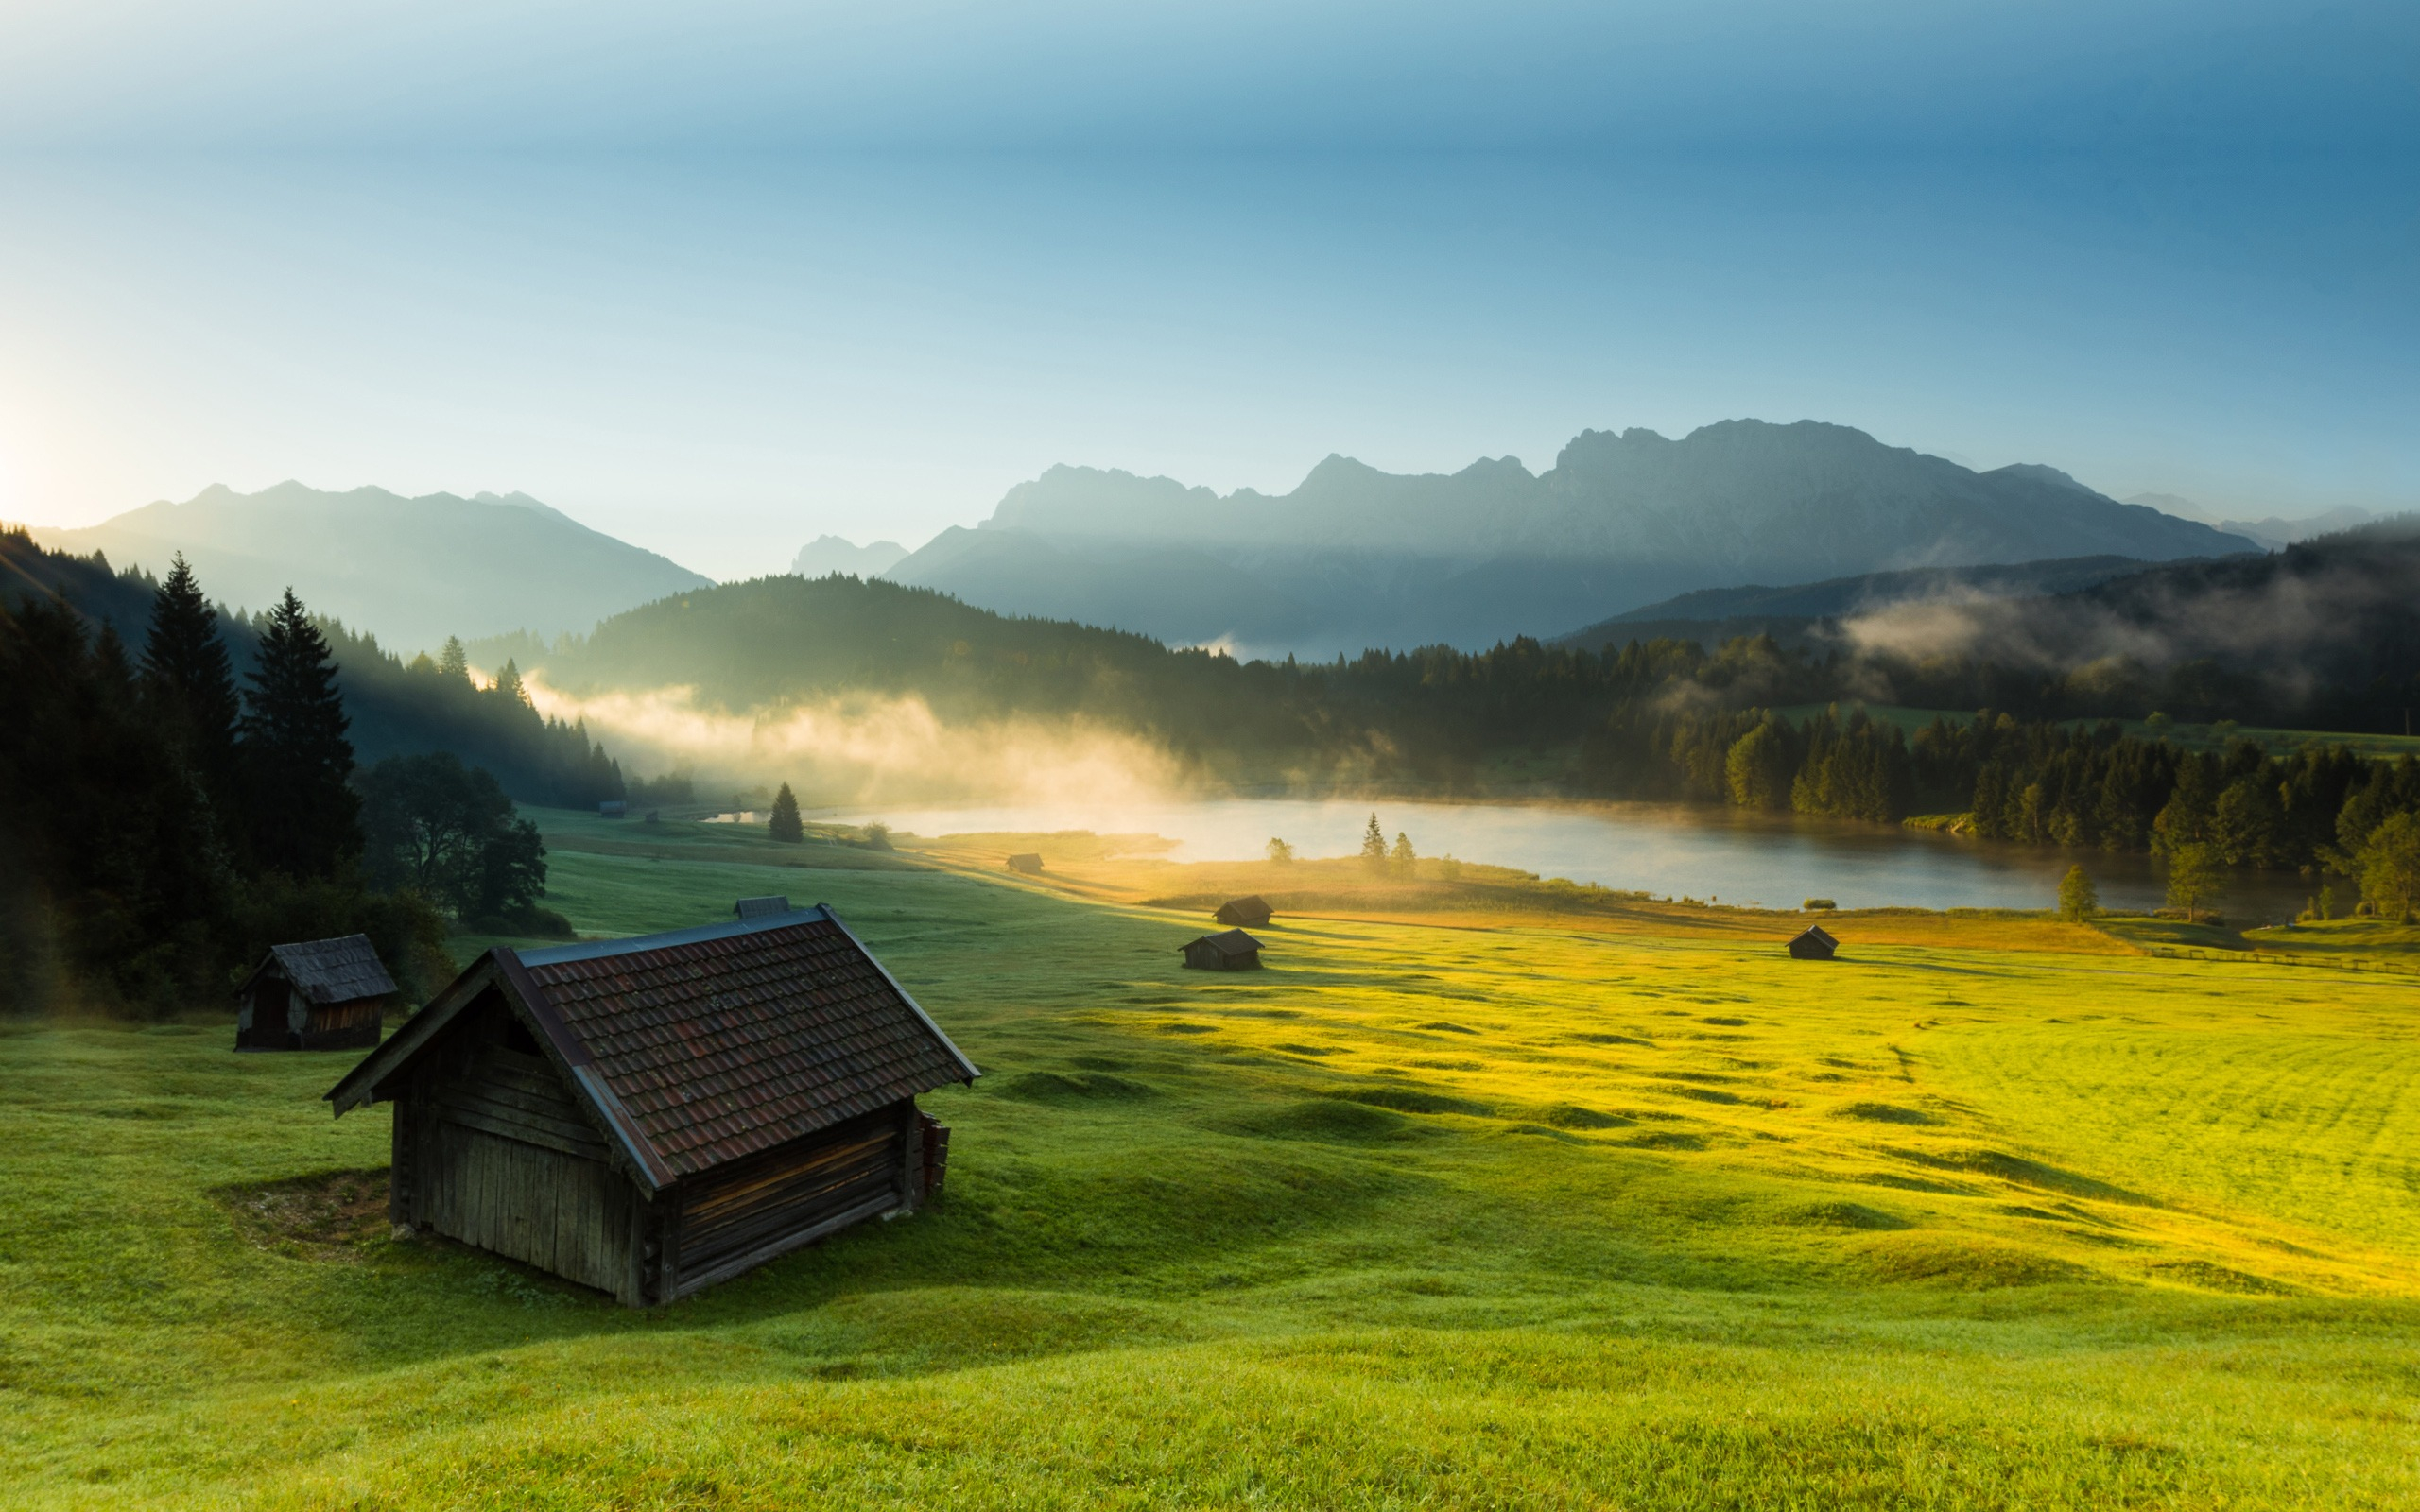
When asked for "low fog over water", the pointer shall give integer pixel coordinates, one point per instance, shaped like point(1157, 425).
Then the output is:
point(1724, 854)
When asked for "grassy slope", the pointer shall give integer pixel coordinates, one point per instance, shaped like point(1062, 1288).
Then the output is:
point(1527, 1215)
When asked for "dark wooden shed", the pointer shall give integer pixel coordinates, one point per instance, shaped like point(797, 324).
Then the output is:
point(760, 908)
point(1251, 912)
point(1025, 861)
point(320, 994)
point(1230, 951)
point(651, 1116)
point(1813, 944)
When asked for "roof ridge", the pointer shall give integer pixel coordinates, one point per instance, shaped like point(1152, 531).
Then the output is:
point(633, 945)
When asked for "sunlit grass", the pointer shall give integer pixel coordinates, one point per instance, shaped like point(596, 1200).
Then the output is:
point(1542, 1214)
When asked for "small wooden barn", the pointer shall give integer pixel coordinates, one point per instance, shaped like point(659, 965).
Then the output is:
point(760, 908)
point(1813, 943)
point(1026, 862)
point(651, 1116)
point(1229, 951)
point(1247, 912)
point(318, 994)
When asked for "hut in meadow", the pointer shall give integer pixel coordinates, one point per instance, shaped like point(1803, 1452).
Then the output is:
point(1244, 913)
point(1026, 862)
point(318, 994)
point(760, 908)
point(1230, 951)
point(651, 1116)
point(613, 808)
point(1813, 943)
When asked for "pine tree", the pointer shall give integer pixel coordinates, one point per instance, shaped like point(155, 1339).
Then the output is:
point(1402, 858)
point(453, 662)
point(1374, 846)
point(189, 681)
point(296, 761)
point(2079, 900)
point(785, 824)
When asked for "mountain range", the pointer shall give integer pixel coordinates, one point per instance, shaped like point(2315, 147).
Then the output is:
point(413, 571)
point(1354, 557)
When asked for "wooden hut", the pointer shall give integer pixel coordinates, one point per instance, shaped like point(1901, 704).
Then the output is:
point(1230, 951)
point(651, 1116)
point(613, 808)
point(760, 908)
point(1026, 862)
point(320, 994)
point(1247, 912)
point(1813, 944)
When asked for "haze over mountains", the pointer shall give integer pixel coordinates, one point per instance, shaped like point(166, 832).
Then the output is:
point(411, 571)
point(1355, 558)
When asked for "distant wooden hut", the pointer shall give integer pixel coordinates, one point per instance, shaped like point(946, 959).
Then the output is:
point(1249, 913)
point(613, 808)
point(320, 994)
point(1813, 944)
point(1026, 862)
point(760, 908)
point(651, 1116)
point(1231, 950)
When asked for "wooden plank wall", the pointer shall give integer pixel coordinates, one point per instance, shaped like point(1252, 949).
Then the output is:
point(513, 1166)
point(757, 1204)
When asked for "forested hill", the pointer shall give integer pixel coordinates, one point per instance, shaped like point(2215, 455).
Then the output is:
point(396, 708)
point(2324, 634)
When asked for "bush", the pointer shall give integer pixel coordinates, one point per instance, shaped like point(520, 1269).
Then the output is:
point(529, 919)
point(1822, 904)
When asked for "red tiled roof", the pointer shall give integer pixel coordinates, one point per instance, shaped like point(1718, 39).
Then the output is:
point(733, 1043)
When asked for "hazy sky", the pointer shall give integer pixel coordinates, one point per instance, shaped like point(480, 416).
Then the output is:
point(721, 277)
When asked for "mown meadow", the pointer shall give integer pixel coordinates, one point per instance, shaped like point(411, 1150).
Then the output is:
point(1427, 1213)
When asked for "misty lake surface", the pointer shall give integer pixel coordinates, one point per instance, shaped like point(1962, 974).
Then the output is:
point(1671, 850)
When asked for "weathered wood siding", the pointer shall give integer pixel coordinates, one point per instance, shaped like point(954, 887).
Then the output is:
point(746, 1213)
point(344, 1025)
point(557, 1212)
point(492, 1149)
point(266, 1026)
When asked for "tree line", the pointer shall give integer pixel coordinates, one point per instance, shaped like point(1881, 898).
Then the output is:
point(164, 817)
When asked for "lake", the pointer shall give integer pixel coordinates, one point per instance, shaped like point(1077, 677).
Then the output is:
point(1674, 851)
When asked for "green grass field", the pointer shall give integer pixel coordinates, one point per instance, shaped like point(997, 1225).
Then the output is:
point(1421, 1215)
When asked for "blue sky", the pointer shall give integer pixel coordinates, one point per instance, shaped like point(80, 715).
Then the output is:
point(721, 277)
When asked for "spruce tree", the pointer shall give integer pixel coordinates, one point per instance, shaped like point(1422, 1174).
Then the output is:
point(189, 681)
point(786, 822)
point(1374, 846)
point(453, 662)
point(305, 816)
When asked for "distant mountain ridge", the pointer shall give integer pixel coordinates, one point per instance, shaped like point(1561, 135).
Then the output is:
point(1354, 557)
point(412, 571)
point(826, 554)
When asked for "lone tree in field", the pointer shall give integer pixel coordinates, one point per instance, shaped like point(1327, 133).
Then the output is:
point(785, 823)
point(2195, 876)
point(1280, 852)
point(305, 816)
point(2079, 900)
point(1403, 857)
point(1374, 846)
point(2390, 862)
